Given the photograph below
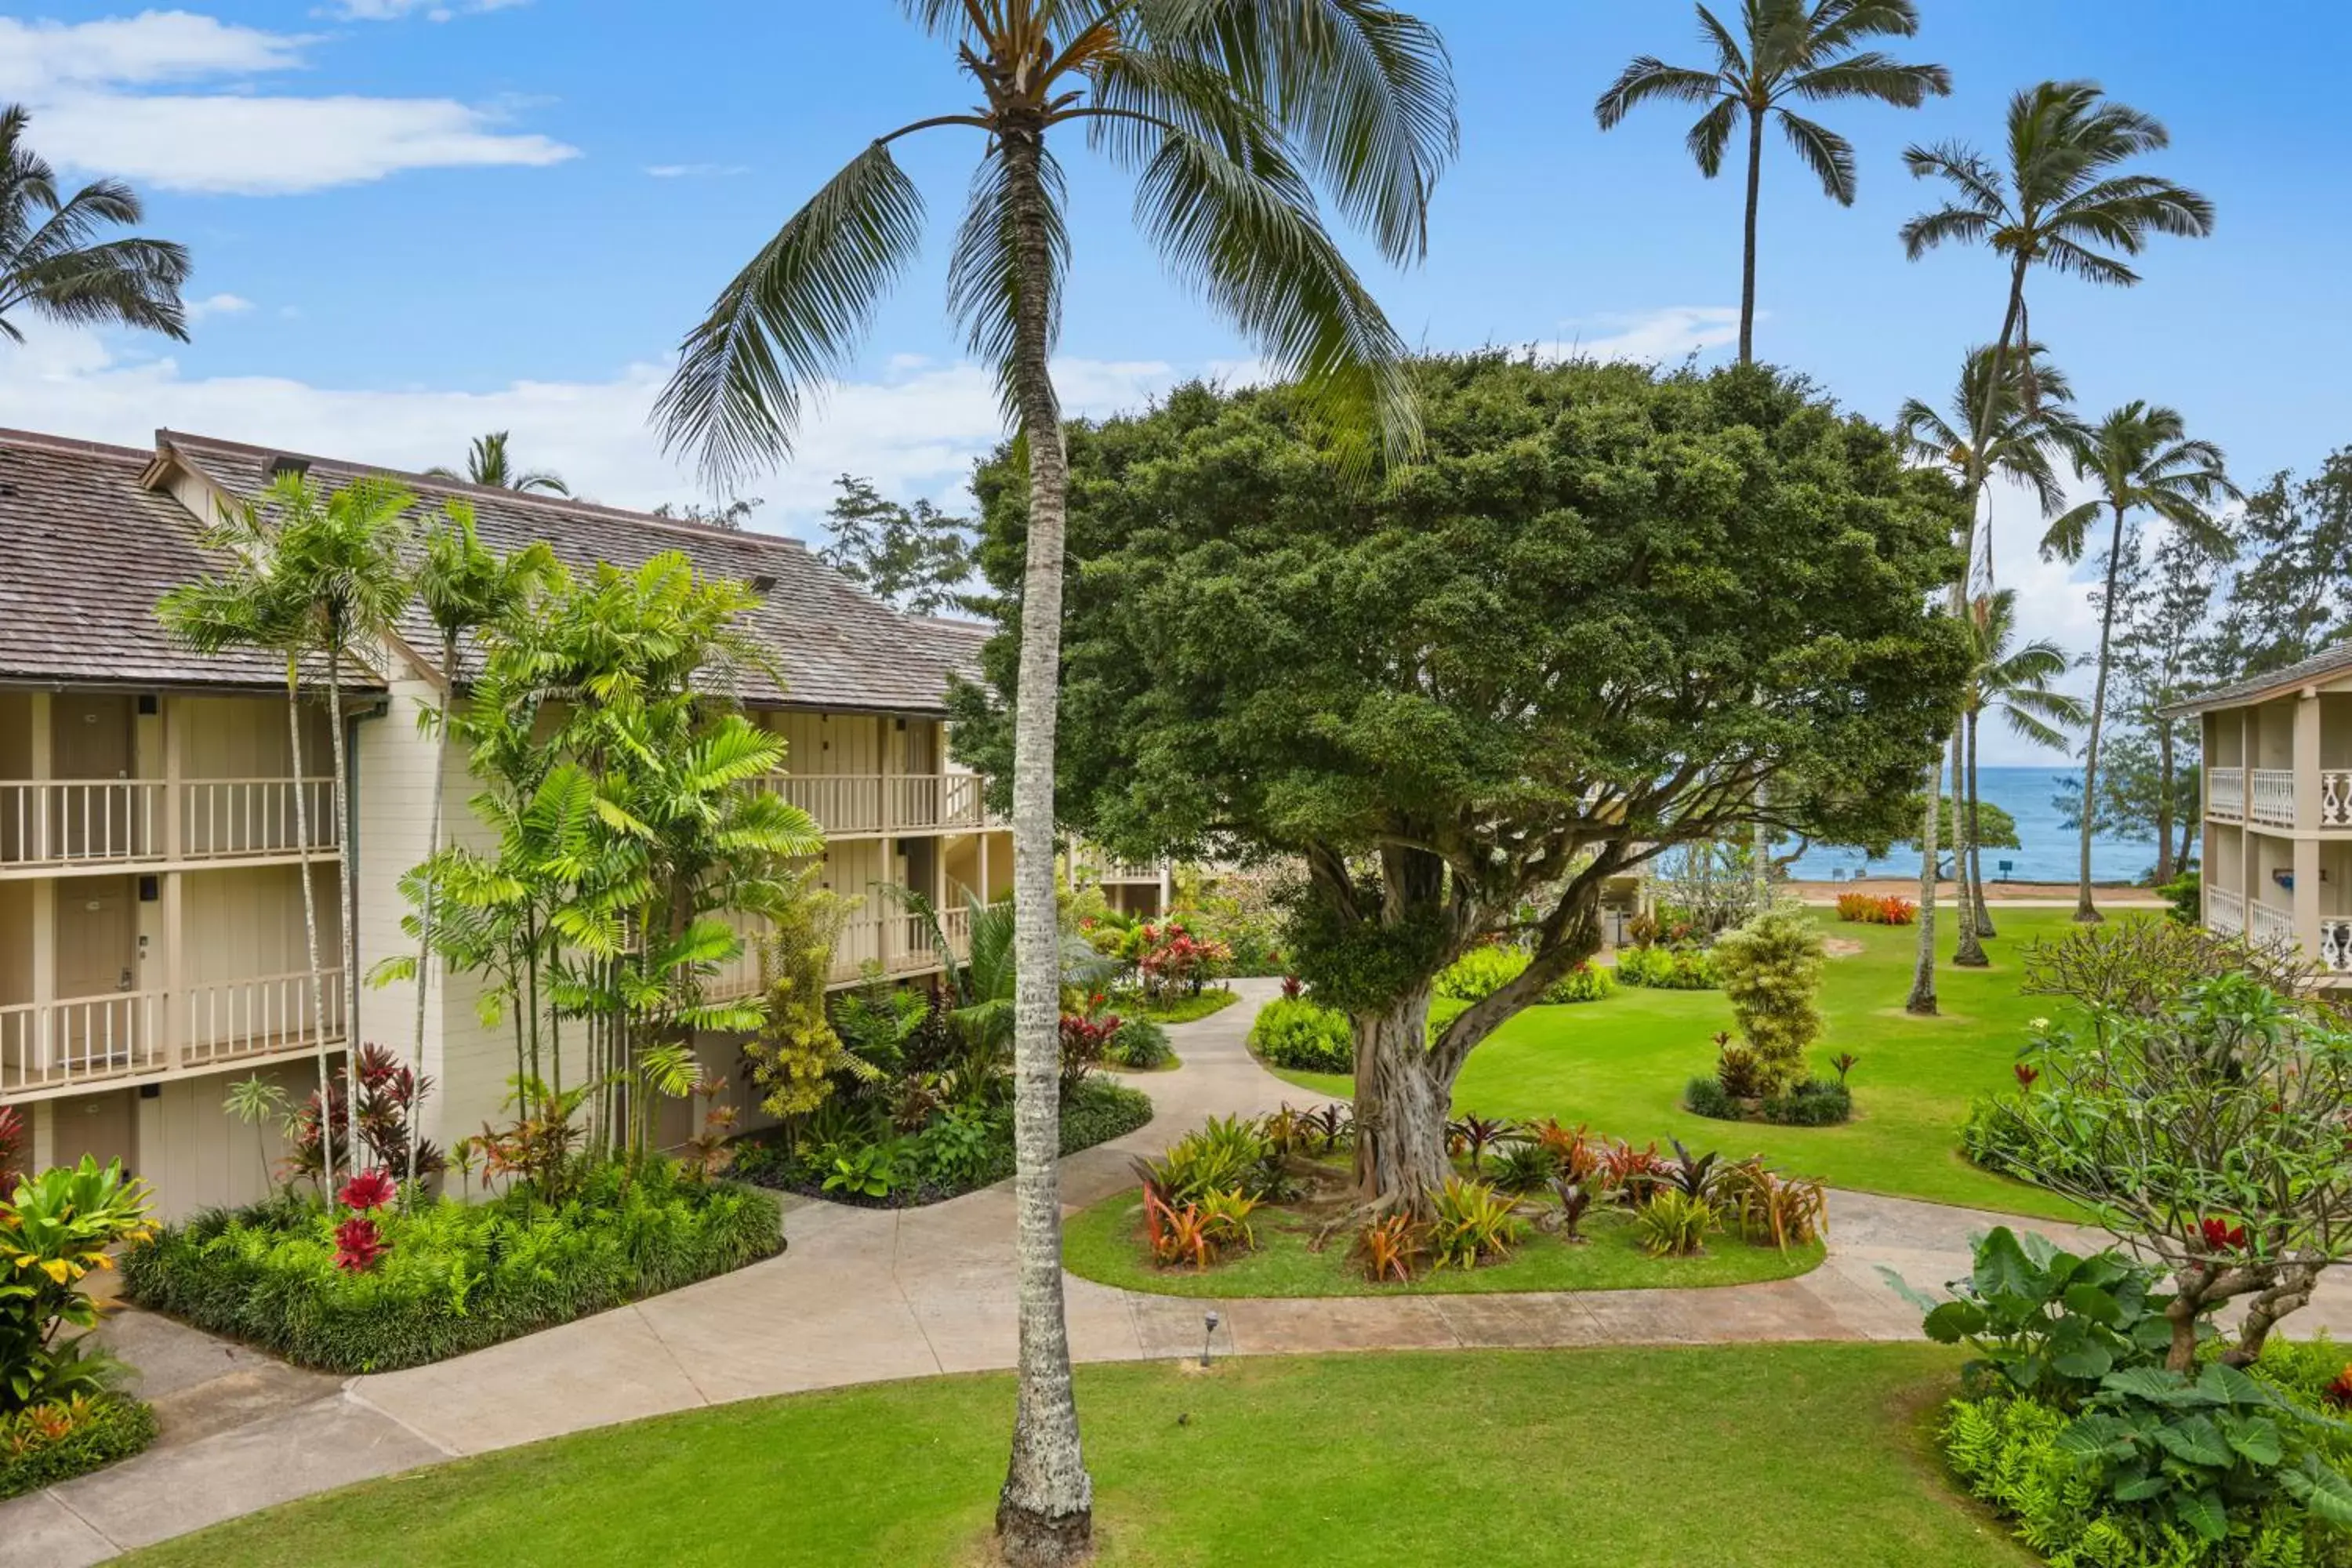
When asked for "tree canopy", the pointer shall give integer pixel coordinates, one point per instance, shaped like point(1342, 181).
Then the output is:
point(1607, 603)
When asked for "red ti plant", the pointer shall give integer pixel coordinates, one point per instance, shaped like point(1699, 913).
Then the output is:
point(13, 1138)
point(358, 1244)
point(2338, 1393)
point(2026, 1074)
point(368, 1190)
point(1293, 988)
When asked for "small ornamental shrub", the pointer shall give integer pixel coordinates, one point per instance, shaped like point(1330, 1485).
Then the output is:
point(1483, 971)
point(1226, 1217)
point(1473, 1135)
point(44, 1444)
point(1817, 1102)
point(55, 1229)
point(1585, 983)
point(1665, 968)
point(1226, 1154)
point(1737, 1068)
point(1141, 1045)
point(1387, 1248)
point(1770, 969)
point(1673, 1223)
point(1872, 908)
point(1471, 1223)
point(1706, 1097)
point(1772, 1209)
point(1526, 1167)
point(1304, 1036)
point(1629, 1174)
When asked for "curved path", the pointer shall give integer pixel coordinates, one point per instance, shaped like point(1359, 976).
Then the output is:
point(866, 1295)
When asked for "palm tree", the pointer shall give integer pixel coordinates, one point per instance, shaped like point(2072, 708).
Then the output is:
point(1789, 51)
point(1228, 115)
point(2014, 682)
point(2021, 425)
point(2142, 459)
point(463, 586)
point(53, 263)
point(2061, 201)
point(487, 465)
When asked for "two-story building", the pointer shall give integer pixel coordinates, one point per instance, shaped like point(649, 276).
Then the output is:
point(151, 919)
point(2277, 770)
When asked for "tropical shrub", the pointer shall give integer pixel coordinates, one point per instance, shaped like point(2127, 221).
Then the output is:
point(1176, 1234)
point(58, 1439)
point(1304, 1036)
point(1629, 1174)
point(1575, 1194)
point(1483, 971)
point(1872, 908)
point(1226, 1217)
point(55, 1229)
point(1473, 1135)
point(1527, 1166)
point(1770, 972)
point(1707, 1097)
point(1139, 1044)
point(1585, 983)
point(1171, 960)
point(1471, 1223)
point(1662, 968)
point(452, 1276)
point(2185, 894)
point(1817, 1102)
point(1226, 1154)
point(1672, 1223)
point(15, 1137)
point(1387, 1248)
point(1770, 1208)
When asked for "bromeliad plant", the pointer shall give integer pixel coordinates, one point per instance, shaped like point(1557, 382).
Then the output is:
point(1470, 1223)
point(55, 1229)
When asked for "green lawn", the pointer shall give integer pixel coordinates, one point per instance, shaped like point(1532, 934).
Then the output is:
point(1750, 1456)
point(1621, 1065)
point(1185, 1009)
point(1104, 1243)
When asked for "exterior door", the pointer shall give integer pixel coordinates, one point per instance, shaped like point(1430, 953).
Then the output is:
point(97, 955)
point(89, 746)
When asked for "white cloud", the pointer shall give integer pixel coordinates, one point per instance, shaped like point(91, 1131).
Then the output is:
point(218, 305)
point(84, 85)
point(1650, 337)
point(695, 171)
point(914, 434)
point(433, 10)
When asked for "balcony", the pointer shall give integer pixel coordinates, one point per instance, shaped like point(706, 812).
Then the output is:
point(2225, 911)
point(870, 806)
point(900, 943)
point(2269, 927)
point(2271, 796)
point(53, 824)
point(2225, 793)
point(49, 1048)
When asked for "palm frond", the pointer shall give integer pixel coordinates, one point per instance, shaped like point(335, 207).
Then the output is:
point(1710, 134)
point(1827, 153)
point(984, 269)
point(1648, 77)
point(1874, 76)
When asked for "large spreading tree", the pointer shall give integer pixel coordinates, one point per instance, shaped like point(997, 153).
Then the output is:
point(1606, 606)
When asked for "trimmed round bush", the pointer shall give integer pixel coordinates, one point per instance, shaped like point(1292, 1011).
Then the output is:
point(1303, 1036)
point(1704, 1097)
point(1817, 1102)
point(1585, 983)
point(1665, 969)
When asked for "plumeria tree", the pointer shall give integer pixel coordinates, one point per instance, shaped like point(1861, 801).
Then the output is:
point(1227, 114)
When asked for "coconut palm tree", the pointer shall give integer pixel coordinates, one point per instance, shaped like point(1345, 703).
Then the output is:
point(2062, 201)
point(1228, 115)
point(487, 465)
point(1785, 50)
point(2021, 427)
point(2141, 459)
point(2015, 682)
point(53, 263)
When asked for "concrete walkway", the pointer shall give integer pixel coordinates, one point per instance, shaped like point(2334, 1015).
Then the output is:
point(866, 1295)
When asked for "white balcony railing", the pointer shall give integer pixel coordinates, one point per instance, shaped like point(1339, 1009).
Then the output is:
point(900, 942)
point(2225, 793)
point(2335, 945)
point(2225, 911)
point(132, 1035)
point(132, 822)
point(2269, 927)
point(851, 805)
point(2271, 796)
point(2336, 798)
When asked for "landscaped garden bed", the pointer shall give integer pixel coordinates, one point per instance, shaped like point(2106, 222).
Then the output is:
point(435, 1279)
point(1266, 1207)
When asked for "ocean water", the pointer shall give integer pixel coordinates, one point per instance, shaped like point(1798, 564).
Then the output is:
point(2047, 852)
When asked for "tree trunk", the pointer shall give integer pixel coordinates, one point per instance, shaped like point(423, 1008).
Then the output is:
point(1922, 1000)
point(1401, 1105)
point(2164, 766)
point(1969, 953)
point(347, 900)
point(424, 915)
point(1760, 849)
point(2085, 910)
point(1045, 1515)
point(1748, 248)
point(2290, 1290)
point(2187, 841)
point(1976, 840)
point(310, 924)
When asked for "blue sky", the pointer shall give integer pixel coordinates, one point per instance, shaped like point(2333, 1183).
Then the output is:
point(412, 223)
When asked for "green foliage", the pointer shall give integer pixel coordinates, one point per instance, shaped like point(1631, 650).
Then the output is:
point(796, 1051)
point(1770, 972)
point(916, 557)
point(2185, 894)
point(1140, 1044)
point(1706, 1096)
point(1816, 1102)
point(1526, 1167)
point(1481, 972)
point(454, 1277)
point(1667, 968)
point(55, 1228)
point(864, 1170)
point(1674, 1224)
point(1226, 1154)
point(1585, 983)
point(1303, 1036)
point(58, 1439)
point(1470, 1223)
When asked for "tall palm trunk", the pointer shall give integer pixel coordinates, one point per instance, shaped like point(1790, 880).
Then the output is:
point(1922, 1000)
point(1976, 838)
point(347, 900)
point(1748, 252)
point(310, 922)
point(1969, 951)
point(1046, 1513)
point(425, 913)
point(2085, 910)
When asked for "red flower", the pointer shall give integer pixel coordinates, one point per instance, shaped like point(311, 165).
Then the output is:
point(2338, 1393)
point(358, 1244)
point(2025, 1075)
point(368, 1190)
point(2221, 1235)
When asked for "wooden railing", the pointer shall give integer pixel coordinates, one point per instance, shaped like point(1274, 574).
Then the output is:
point(2269, 927)
point(2225, 793)
point(132, 822)
point(900, 942)
point(851, 805)
point(132, 1035)
point(2271, 796)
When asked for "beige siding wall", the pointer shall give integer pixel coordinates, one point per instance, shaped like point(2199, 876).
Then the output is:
point(246, 922)
point(244, 737)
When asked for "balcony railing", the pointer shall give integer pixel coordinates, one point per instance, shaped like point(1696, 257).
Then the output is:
point(2271, 796)
point(2336, 798)
point(2225, 793)
point(2335, 945)
point(2225, 911)
point(855, 805)
point(900, 942)
point(132, 1035)
point(2269, 927)
point(136, 822)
